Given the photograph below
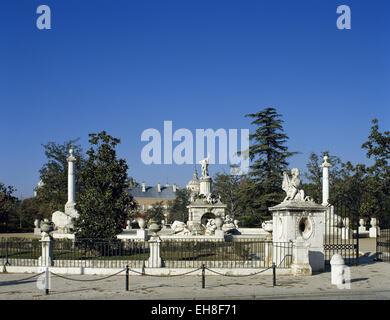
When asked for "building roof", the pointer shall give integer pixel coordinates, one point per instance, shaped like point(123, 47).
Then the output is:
point(152, 192)
point(195, 180)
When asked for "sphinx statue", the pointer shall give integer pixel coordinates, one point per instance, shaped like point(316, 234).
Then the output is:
point(292, 186)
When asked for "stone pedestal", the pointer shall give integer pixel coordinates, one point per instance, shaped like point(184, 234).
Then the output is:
point(37, 231)
point(301, 265)
point(142, 234)
point(155, 257)
point(219, 234)
point(293, 219)
point(46, 259)
point(205, 186)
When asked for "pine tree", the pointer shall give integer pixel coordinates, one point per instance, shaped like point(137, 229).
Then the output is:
point(268, 154)
point(104, 204)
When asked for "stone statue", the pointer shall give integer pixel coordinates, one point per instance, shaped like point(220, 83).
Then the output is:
point(267, 225)
point(210, 227)
point(292, 186)
point(180, 228)
point(205, 163)
point(211, 199)
point(228, 224)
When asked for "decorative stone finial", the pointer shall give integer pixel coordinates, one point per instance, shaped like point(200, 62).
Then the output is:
point(326, 164)
point(71, 157)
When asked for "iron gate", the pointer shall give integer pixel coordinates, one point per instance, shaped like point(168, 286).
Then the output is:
point(341, 234)
point(383, 239)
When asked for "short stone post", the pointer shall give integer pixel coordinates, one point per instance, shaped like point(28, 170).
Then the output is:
point(373, 230)
point(340, 274)
point(46, 259)
point(155, 249)
point(301, 265)
point(362, 227)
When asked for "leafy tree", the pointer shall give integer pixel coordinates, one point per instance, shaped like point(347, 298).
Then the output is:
point(268, 154)
point(314, 175)
point(377, 201)
point(228, 187)
point(351, 188)
point(156, 213)
point(178, 207)
point(53, 193)
point(7, 205)
point(104, 204)
point(31, 209)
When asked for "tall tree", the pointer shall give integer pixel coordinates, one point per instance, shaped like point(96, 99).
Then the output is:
point(104, 204)
point(268, 154)
point(54, 175)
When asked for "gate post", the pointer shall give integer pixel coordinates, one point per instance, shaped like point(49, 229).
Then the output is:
point(46, 259)
point(155, 249)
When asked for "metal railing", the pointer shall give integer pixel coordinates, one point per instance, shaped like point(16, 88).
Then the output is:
point(383, 245)
point(100, 253)
point(175, 253)
point(20, 252)
point(242, 253)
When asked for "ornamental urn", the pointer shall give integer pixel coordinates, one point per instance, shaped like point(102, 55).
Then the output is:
point(154, 227)
point(141, 223)
point(46, 226)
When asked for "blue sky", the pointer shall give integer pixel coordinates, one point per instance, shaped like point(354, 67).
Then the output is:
point(125, 66)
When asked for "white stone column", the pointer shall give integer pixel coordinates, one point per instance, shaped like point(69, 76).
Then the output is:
point(71, 183)
point(325, 181)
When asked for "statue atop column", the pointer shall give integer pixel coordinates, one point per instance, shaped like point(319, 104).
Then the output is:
point(205, 164)
point(292, 186)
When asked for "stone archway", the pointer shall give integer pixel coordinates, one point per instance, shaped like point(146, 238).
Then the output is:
point(206, 217)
